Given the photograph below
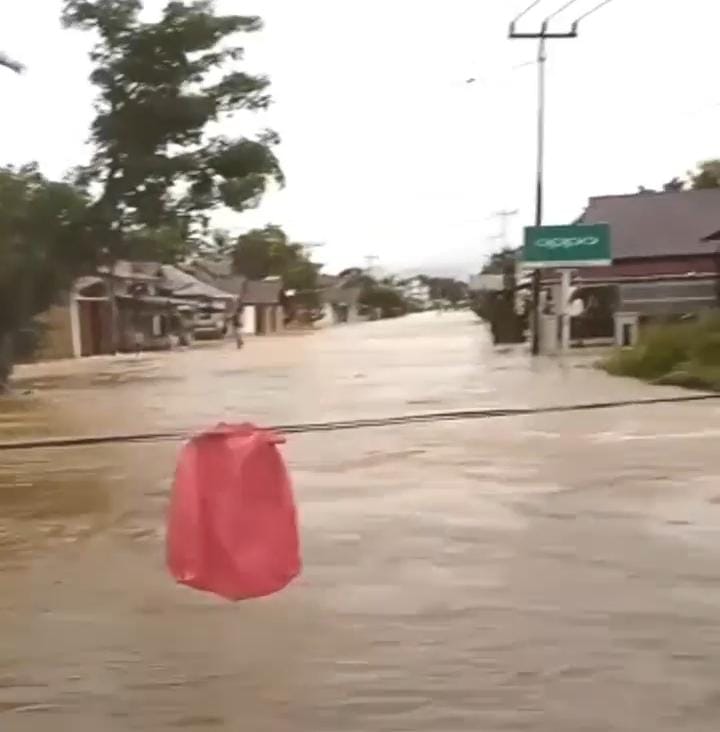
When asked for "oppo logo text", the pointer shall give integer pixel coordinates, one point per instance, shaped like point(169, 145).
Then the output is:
point(569, 242)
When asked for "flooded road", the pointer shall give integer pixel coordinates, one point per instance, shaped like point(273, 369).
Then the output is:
point(554, 573)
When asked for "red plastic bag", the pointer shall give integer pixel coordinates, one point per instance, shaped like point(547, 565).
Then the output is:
point(232, 527)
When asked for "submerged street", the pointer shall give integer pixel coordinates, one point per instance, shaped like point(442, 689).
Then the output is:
point(554, 573)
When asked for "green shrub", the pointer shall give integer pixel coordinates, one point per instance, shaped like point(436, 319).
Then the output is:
point(684, 354)
point(660, 350)
point(706, 350)
point(693, 375)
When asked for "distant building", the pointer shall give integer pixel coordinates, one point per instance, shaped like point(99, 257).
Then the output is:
point(81, 323)
point(218, 273)
point(339, 305)
point(487, 282)
point(417, 291)
point(214, 308)
point(262, 307)
point(261, 301)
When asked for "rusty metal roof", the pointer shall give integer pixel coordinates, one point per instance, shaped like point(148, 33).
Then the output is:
point(658, 224)
point(129, 270)
point(262, 292)
point(341, 295)
point(183, 284)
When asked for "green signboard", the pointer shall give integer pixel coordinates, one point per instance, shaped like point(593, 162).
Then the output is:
point(567, 246)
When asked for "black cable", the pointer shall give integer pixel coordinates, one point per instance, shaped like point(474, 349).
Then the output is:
point(560, 10)
point(527, 10)
point(354, 424)
point(592, 11)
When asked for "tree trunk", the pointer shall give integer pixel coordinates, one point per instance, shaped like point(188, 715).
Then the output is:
point(6, 360)
point(114, 314)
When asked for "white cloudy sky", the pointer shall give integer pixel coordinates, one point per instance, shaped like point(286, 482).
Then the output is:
point(387, 151)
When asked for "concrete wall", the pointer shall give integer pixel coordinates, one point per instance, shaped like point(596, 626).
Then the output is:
point(95, 327)
point(332, 315)
point(263, 319)
point(56, 341)
point(249, 320)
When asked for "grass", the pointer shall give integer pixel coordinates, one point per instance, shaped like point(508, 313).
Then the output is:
point(681, 354)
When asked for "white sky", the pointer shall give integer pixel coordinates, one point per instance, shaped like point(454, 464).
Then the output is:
point(387, 151)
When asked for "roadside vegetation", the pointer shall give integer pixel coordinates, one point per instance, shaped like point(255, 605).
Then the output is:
point(156, 174)
point(683, 354)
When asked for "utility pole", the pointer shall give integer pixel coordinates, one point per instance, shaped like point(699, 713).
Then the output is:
point(504, 217)
point(543, 35)
point(370, 260)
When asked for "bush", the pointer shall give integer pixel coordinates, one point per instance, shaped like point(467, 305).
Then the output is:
point(684, 354)
point(660, 350)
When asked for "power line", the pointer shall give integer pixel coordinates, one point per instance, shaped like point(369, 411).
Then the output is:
point(504, 218)
point(560, 10)
point(592, 11)
point(527, 10)
point(355, 424)
point(497, 77)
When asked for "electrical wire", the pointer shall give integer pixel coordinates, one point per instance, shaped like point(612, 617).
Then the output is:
point(527, 10)
point(592, 11)
point(560, 10)
point(355, 424)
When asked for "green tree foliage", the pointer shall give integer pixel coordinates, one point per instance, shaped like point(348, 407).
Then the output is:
point(43, 244)
point(447, 288)
point(706, 176)
point(265, 252)
point(500, 262)
point(268, 252)
point(498, 308)
point(387, 300)
point(674, 185)
point(161, 84)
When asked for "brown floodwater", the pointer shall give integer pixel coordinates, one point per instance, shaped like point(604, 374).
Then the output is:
point(554, 573)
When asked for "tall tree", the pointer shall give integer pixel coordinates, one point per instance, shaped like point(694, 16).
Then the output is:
point(260, 253)
point(267, 252)
point(161, 84)
point(707, 175)
point(43, 245)
point(674, 185)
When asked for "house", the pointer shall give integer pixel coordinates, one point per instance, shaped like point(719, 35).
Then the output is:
point(262, 307)
point(417, 291)
point(262, 301)
point(340, 305)
point(81, 323)
point(665, 259)
point(218, 273)
point(214, 308)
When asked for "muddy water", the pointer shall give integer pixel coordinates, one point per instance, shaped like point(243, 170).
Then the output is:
point(549, 573)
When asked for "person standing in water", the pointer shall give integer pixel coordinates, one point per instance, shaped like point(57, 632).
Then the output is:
point(237, 327)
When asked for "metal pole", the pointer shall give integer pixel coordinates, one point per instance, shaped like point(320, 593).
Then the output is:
point(539, 190)
point(542, 58)
point(542, 36)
